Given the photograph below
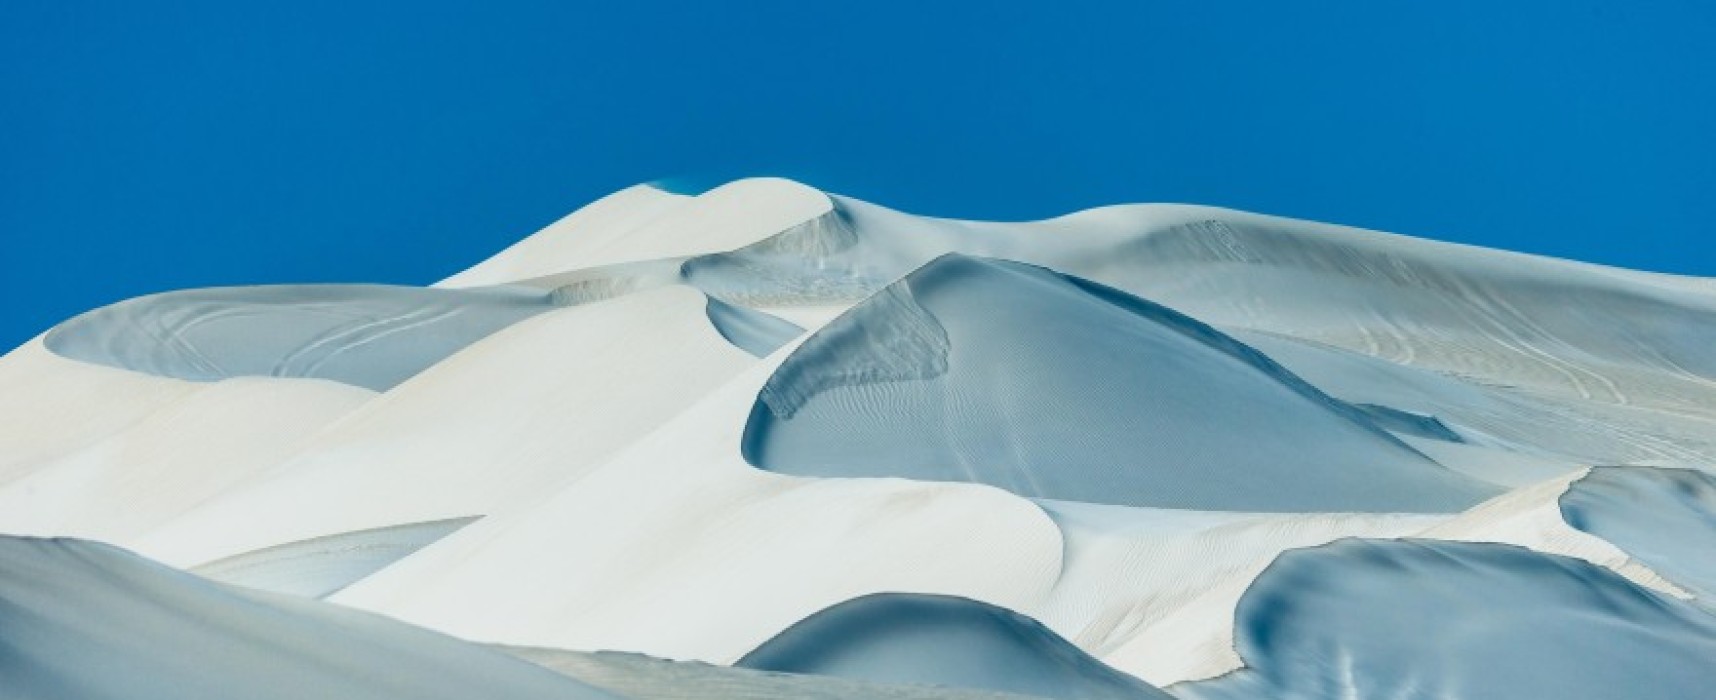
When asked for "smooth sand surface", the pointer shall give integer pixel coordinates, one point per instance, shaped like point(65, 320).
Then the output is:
point(1225, 454)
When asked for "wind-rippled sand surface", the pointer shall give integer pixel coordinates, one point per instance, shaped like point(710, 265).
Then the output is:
point(767, 442)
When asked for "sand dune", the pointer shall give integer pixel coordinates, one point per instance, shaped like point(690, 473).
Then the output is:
point(474, 432)
point(1224, 454)
point(933, 640)
point(753, 331)
point(365, 335)
point(1046, 385)
point(602, 561)
point(645, 223)
point(1417, 618)
point(322, 566)
point(82, 620)
point(1664, 518)
point(183, 452)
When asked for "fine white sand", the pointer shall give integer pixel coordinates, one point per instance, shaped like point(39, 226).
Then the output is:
point(685, 426)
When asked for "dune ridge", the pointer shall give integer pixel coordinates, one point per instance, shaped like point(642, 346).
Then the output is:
point(913, 381)
point(1129, 451)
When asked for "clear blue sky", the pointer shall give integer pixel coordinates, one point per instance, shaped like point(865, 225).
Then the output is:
point(147, 146)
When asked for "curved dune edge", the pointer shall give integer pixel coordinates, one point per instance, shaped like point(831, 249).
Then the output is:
point(473, 435)
point(940, 640)
point(1015, 376)
point(370, 336)
point(1364, 618)
point(646, 223)
point(601, 437)
point(779, 549)
point(1663, 518)
point(322, 566)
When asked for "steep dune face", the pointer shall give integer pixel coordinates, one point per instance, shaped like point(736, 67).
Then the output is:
point(1046, 385)
point(939, 640)
point(762, 422)
point(1426, 619)
point(1665, 518)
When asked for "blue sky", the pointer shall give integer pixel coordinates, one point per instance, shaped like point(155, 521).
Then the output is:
point(151, 146)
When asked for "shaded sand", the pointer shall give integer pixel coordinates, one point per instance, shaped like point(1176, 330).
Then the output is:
point(371, 336)
point(1030, 429)
point(1152, 591)
point(753, 331)
point(88, 621)
point(1045, 385)
point(1428, 619)
point(1489, 319)
point(940, 640)
point(1665, 518)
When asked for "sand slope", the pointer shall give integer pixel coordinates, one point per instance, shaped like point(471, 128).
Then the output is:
point(1137, 444)
point(936, 640)
point(87, 621)
point(1047, 385)
point(1418, 618)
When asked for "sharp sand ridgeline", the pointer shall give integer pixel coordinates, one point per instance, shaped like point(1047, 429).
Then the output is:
point(770, 442)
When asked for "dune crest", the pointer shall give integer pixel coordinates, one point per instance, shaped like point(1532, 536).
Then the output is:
point(762, 441)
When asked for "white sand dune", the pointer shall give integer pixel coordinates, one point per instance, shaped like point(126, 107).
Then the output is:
point(96, 452)
point(681, 504)
point(474, 432)
point(322, 566)
point(186, 451)
point(371, 336)
point(53, 406)
point(1663, 518)
point(1421, 618)
point(709, 427)
point(1153, 592)
point(937, 640)
point(644, 223)
point(965, 371)
point(83, 620)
